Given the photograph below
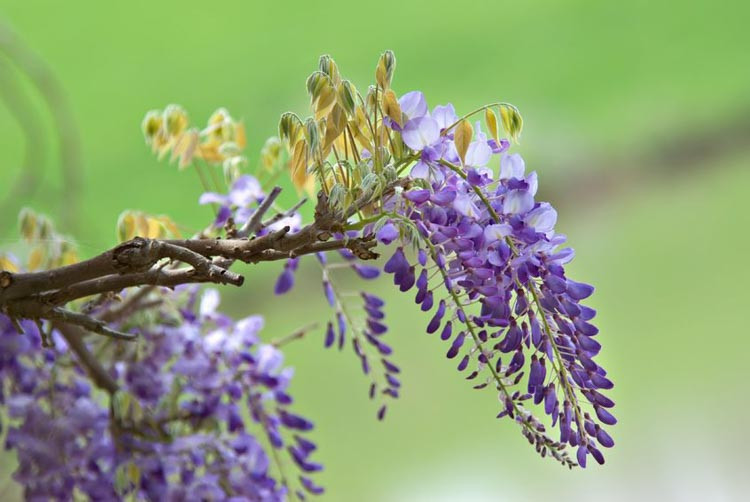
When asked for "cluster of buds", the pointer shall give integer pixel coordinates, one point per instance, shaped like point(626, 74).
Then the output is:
point(132, 223)
point(220, 142)
point(47, 247)
point(344, 145)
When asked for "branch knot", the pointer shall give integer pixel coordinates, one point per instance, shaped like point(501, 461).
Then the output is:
point(135, 255)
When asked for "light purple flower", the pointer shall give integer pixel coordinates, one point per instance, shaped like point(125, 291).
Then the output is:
point(542, 218)
point(494, 233)
point(420, 133)
point(413, 104)
point(444, 115)
point(388, 233)
point(518, 202)
point(511, 166)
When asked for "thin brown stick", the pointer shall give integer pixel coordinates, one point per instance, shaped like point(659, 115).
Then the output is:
point(99, 375)
point(255, 222)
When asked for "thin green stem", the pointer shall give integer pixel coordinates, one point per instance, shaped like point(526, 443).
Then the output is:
point(215, 178)
point(204, 183)
point(474, 112)
point(364, 222)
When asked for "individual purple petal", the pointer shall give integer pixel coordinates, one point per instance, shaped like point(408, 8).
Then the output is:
point(581, 455)
point(388, 233)
point(381, 412)
point(537, 373)
point(222, 217)
point(341, 321)
point(478, 154)
point(284, 283)
point(372, 300)
point(413, 104)
point(579, 290)
point(444, 115)
point(293, 421)
point(397, 264)
point(456, 346)
point(245, 190)
point(605, 416)
point(435, 322)
point(466, 205)
point(427, 302)
point(373, 312)
point(421, 170)
point(499, 147)
point(518, 202)
point(494, 233)
point(419, 133)
point(330, 335)
point(311, 487)
point(464, 363)
point(390, 367)
point(300, 459)
point(543, 218)
point(213, 198)
point(330, 295)
point(417, 196)
point(550, 400)
point(511, 166)
point(366, 271)
point(422, 281)
point(596, 454)
point(447, 331)
point(376, 327)
point(604, 438)
point(443, 197)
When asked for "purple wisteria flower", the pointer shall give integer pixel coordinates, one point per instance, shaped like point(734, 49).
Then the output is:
point(241, 202)
point(209, 385)
point(508, 304)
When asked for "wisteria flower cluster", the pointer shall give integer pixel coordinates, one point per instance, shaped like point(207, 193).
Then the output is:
point(180, 424)
point(121, 378)
point(476, 233)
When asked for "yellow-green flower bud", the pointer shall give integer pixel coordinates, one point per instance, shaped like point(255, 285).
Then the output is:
point(385, 68)
point(151, 125)
point(175, 120)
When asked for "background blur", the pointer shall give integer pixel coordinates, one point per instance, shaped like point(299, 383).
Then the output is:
point(637, 118)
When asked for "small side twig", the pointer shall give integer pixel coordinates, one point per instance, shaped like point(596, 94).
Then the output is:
point(99, 375)
point(254, 223)
point(88, 323)
point(296, 335)
point(123, 309)
point(280, 216)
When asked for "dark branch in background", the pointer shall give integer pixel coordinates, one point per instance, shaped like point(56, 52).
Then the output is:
point(31, 124)
point(66, 130)
point(595, 179)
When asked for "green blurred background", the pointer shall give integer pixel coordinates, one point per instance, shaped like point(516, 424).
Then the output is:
point(637, 118)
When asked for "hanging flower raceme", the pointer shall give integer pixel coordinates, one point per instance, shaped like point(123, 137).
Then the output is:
point(186, 421)
point(510, 314)
point(471, 238)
